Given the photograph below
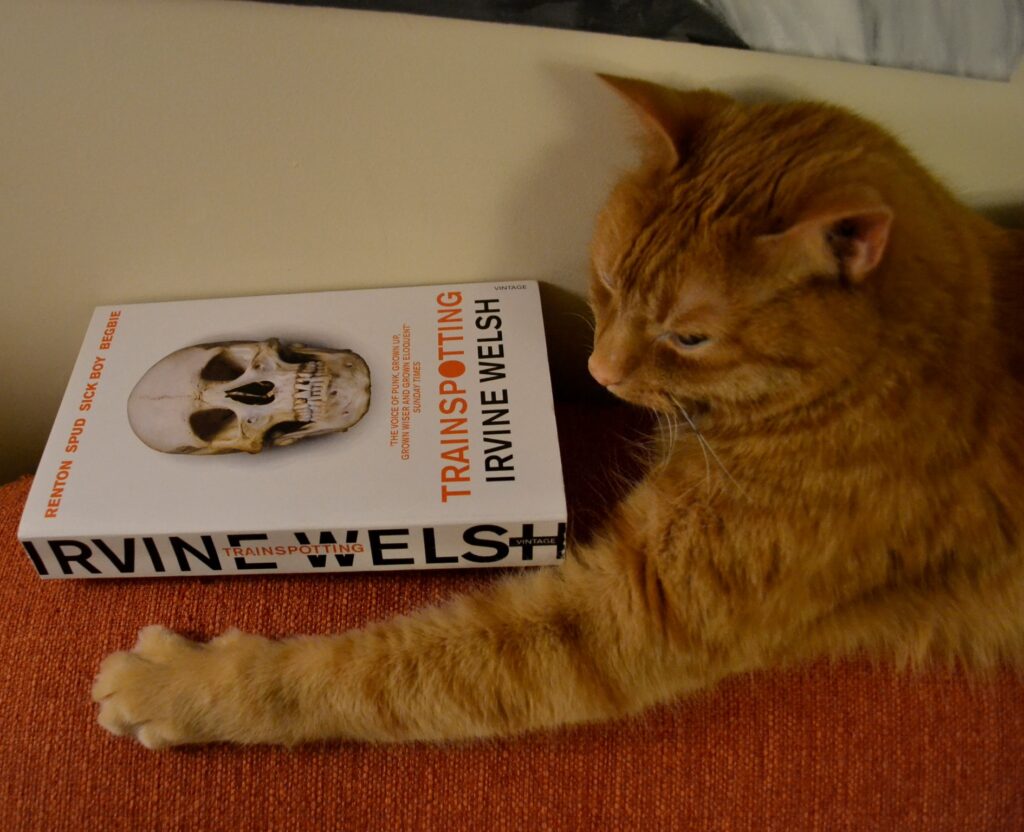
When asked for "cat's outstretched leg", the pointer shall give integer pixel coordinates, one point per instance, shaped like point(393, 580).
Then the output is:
point(587, 641)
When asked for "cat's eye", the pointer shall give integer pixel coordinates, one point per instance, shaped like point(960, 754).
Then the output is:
point(687, 340)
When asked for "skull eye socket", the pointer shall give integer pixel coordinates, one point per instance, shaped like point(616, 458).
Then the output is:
point(209, 424)
point(222, 367)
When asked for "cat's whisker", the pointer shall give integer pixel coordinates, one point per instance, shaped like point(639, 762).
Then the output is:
point(661, 450)
point(707, 460)
point(675, 431)
point(702, 443)
point(706, 446)
point(587, 320)
point(674, 422)
point(663, 429)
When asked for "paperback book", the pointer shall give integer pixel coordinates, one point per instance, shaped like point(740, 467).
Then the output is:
point(376, 429)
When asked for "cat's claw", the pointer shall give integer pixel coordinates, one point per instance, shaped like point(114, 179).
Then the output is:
point(145, 692)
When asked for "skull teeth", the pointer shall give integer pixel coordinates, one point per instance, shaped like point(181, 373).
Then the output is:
point(311, 386)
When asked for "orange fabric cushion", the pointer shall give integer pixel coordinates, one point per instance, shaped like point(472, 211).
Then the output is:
point(828, 747)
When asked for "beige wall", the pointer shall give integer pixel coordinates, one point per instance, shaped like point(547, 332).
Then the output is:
point(157, 150)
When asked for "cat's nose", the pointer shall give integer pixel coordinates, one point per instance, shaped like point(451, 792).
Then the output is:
point(603, 374)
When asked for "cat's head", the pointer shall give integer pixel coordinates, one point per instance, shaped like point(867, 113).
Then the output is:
point(738, 267)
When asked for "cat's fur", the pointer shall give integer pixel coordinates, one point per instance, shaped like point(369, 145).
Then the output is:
point(857, 483)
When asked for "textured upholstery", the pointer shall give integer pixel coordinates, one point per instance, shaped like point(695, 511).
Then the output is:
point(827, 747)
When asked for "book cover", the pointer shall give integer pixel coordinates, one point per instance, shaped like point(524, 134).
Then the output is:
point(375, 429)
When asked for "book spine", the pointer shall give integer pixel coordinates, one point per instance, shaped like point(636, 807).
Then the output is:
point(334, 550)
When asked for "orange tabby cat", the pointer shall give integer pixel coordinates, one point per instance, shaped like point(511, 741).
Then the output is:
point(838, 342)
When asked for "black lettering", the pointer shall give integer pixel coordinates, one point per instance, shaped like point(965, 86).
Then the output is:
point(528, 541)
point(485, 322)
point(124, 564)
point(242, 565)
point(320, 561)
point(37, 561)
point(430, 548)
point(65, 560)
point(490, 351)
point(497, 416)
point(154, 554)
point(485, 305)
point(473, 538)
point(182, 548)
point(378, 547)
point(491, 371)
point(494, 444)
point(494, 463)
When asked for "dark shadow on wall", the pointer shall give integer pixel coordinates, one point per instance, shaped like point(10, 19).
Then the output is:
point(1008, 216)
point(569, 329)
point(673, 20)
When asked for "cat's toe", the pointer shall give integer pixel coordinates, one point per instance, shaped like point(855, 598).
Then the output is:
point(143, 693)
point(114, 717)
point(155, 736)
point(159, 643)
point(111, 674)
point(124, 688)
point(117, 689)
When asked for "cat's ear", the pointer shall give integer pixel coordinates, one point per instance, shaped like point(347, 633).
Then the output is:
point(849, 229)
point(671, 118)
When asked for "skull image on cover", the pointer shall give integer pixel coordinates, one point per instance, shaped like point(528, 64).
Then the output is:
point(245, 395)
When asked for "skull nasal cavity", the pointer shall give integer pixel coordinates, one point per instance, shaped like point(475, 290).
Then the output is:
point(255, 392)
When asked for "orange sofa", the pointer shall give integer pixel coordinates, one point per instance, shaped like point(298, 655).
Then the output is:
point(828, 747)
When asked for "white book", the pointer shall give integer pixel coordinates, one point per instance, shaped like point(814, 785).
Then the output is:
point(377, 429)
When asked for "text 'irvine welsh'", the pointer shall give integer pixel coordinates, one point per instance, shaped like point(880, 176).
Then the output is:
point(458, 471)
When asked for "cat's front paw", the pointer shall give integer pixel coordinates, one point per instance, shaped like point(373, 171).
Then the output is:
point(159, 692)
